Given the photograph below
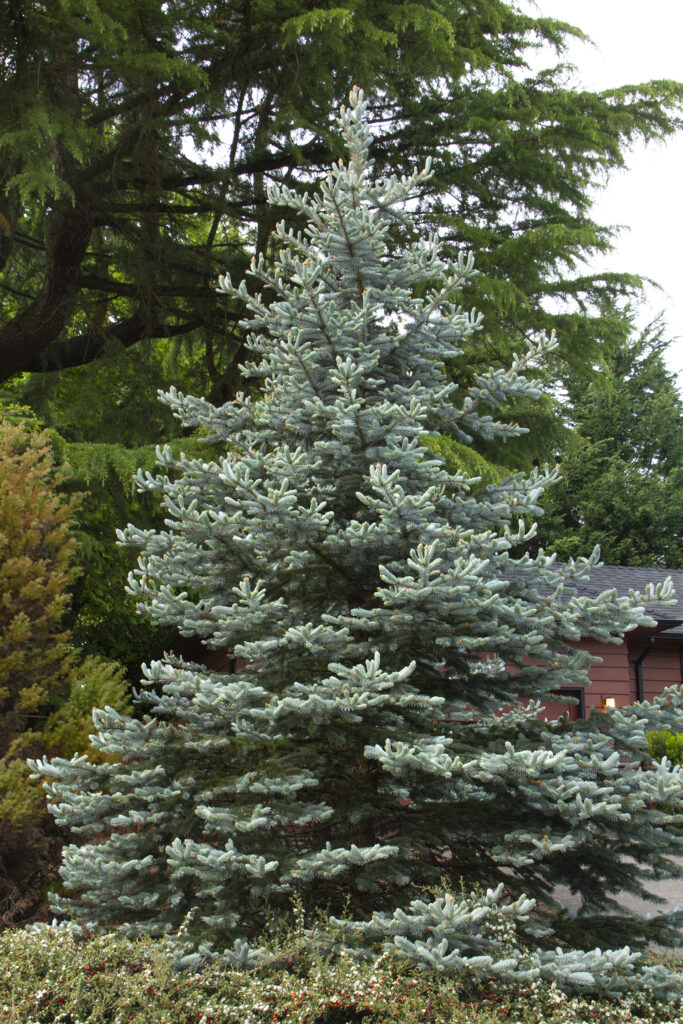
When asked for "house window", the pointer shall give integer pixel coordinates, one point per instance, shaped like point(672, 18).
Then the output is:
point(578, 693)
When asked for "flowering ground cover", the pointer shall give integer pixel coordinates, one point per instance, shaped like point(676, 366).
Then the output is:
point(47, 977)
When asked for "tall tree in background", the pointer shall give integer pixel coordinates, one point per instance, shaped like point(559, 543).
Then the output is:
point(372, 748)
point(622, 463)
point(47, 689)
point(114, 220)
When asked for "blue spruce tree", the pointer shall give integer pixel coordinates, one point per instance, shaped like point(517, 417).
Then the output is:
point(378, 749)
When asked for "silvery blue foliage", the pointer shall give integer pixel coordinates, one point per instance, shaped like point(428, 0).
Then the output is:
point(379, 739)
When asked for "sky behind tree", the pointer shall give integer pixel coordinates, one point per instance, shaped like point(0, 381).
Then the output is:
point(634, 44)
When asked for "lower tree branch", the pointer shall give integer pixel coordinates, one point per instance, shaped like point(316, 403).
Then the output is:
point(24, 338)
point(91, 345)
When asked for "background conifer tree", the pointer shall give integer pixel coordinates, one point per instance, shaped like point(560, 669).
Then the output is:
point(363, 752)
point(622, 463)
point(138, 142)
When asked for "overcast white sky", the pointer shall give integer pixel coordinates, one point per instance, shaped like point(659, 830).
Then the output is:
point(636, 42)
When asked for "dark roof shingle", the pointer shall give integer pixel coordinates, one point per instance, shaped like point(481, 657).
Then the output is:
point(625, 577)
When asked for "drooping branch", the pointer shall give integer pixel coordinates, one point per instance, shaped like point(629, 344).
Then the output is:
point(91, 345)
point(110, 286)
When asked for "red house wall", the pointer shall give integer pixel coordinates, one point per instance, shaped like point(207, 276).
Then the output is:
point(615, 676)
point(611, 677)
point(661, 667)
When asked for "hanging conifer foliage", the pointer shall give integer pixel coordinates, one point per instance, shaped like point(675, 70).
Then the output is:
point(373, 747)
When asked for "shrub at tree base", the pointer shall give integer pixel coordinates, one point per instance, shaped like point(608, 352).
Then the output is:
point(666, 744)
point(47, 977)
point(372, 757)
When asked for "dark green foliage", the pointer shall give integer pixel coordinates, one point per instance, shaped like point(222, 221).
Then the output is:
point(622, 466)
point(114, 222)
